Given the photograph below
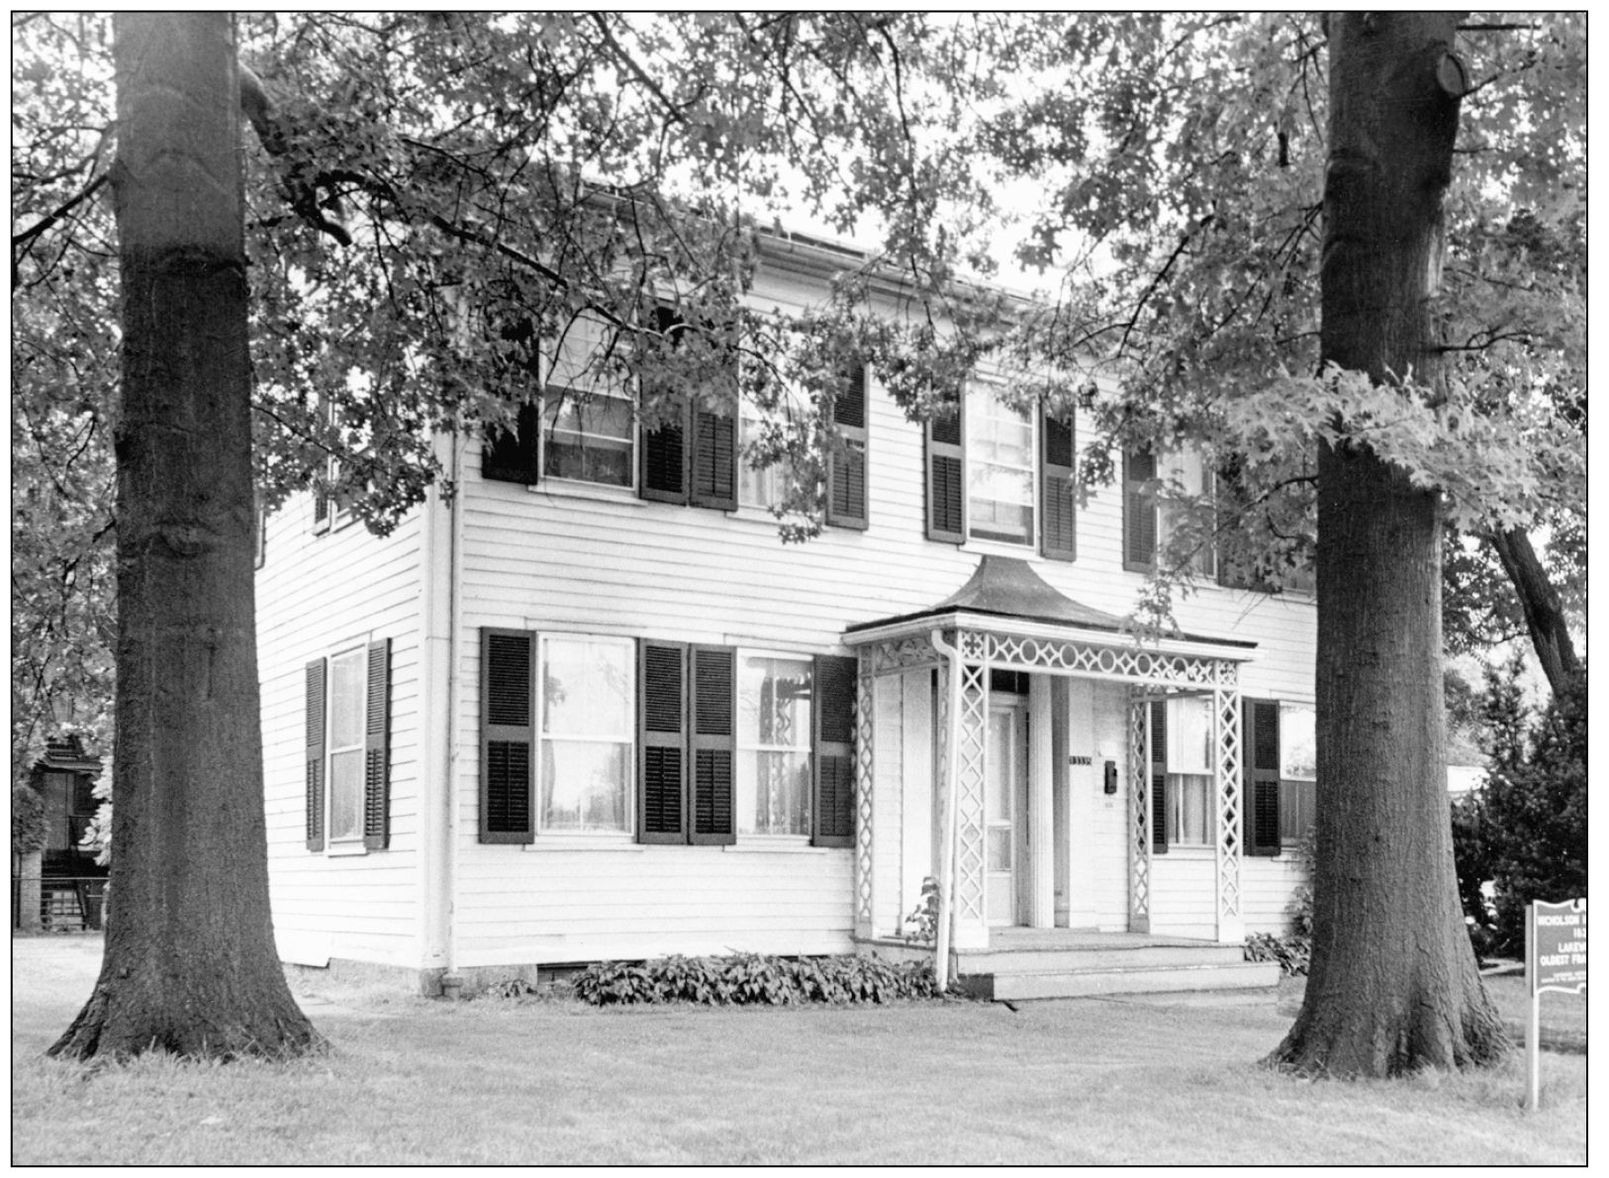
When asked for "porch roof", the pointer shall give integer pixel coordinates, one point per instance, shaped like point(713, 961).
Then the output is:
point(1006, 593)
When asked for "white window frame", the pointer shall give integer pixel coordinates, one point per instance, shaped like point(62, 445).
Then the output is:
point(628, 649)
point(742, 749)
point(348, 844)
point(987, 391)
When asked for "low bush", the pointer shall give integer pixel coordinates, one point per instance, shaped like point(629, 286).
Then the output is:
point(1295, 948)
point(752, 978)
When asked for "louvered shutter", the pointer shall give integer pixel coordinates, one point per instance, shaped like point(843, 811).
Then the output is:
point(511, 455)
point(508, 735)
point(377, 749)
point(321, 506)
point(1139, 512)
point(713, 744)
point(662, 476)
point(1159, 777)
point(1058, 534)
point(846, 464)
point(1260, 739)
point(314, 760)
point(714, 476)
point(834, 824)
point(946, 466)
point(662, 742)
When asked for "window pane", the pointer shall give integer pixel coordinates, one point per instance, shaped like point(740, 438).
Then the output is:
point(1000, 469)
point(584, 785)
point(1296, 811)
point(347, 689)
point(586, 688)
point(773, 736)
point(1298, 749)
point(588, 437)
point(1189, 809)
point(774, 793)
point(346, 795)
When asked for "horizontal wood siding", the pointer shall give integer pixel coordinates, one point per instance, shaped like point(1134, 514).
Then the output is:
point(573, 557)
point(1182, 893)
point(319, 594)
point(1266, 888)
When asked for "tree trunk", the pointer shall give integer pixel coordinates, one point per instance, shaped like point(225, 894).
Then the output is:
point(190, 964)
point(1539, 601)
point(1393, 983)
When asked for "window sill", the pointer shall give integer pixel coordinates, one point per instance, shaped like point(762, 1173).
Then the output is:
point(583, 842)
point(557, 488)
point(345, 850)
point(760, 844)
point(1189, 851)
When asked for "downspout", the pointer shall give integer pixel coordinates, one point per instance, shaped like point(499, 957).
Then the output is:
point(945, 935)
point(452, 983)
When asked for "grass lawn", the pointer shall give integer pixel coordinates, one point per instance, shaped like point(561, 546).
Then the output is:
point(410, 1080)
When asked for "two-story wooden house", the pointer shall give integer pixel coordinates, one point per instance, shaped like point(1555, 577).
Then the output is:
point(594, 708)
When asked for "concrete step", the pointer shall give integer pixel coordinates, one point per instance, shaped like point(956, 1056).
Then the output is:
point(1003, 961)
point(1084, 983)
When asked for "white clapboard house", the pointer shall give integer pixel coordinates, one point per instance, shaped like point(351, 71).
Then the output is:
point(593, 708)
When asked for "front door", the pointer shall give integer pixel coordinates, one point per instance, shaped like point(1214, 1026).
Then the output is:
point(1004, 810)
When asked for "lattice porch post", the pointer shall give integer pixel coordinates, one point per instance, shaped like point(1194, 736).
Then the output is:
point(1139, 777)
point(972, 729)
point(865, 732)
point(1230, 796)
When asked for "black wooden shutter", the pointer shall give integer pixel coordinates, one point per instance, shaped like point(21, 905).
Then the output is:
point(508, 735)
point(834, 824)
point(846, 465)
point(662, 742)
point(512, 455)
point(314, 760)
point(946, 466)
point(1159, 777)
point(1139, 512)
point(713, 744)
point(662, 476)
point(1058, 534)
point(714, 476)
point(377, 749)
point(1260, 742)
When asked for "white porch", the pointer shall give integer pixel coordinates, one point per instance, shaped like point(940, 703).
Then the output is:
point(1004, 750)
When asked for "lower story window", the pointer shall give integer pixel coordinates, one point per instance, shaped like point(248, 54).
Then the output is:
point(346, 716)
point(587, 733)
point(773, 741)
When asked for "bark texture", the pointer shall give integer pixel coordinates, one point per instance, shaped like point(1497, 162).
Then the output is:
point(190, 964)
point(1393, 983)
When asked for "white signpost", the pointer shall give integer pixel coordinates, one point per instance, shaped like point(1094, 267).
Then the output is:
point(1555, 959)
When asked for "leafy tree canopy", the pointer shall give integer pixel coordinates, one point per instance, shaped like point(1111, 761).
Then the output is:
point(436, 202)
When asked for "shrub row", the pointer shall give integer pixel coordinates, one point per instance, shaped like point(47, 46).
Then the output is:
point(747, 978)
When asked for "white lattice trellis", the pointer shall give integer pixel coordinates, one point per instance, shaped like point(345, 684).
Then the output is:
point(1226, 705)
point(1139, 812)
point(864, 734)
point(1128, 664)
point(969, 784)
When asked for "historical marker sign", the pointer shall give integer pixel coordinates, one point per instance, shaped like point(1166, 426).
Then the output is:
point(1558, 947)
point(1555, 959)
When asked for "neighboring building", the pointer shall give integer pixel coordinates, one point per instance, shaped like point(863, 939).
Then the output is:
point(594, 708)
point(64, 891)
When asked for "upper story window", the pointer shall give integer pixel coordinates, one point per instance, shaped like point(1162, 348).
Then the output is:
point(998, 473)
point(1153, 516)
point(845, 461)
point(1000, 469)
point(586, 437)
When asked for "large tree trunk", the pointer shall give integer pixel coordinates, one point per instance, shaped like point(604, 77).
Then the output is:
point(190, 963)
point(1393, 983)
point(1539, 601)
